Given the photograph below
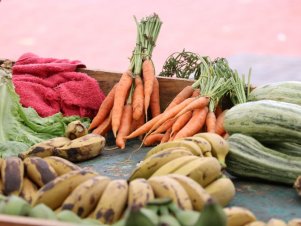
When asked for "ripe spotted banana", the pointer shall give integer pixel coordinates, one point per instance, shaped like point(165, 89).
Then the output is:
point(140, 192)
point(204, 145)
point(45, 148)
point(189, 145)
point(29, 190)
point(276, 222)
point(85, 196)
point(164, 186)
point(12, 174)
point(256, 223)
point(55, 192)
point(148, 166)
point(82, 148)
point(173, 165)
point(219, 145)
point(222, 190)
point(202, 170)
point(196, 193)
point(112, 202)
point(294, 222)
point(75, 130)
point(60, 165)
point(238, 216)
point(39, 171)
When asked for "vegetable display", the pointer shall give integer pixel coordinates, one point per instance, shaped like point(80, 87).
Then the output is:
point(22, 127)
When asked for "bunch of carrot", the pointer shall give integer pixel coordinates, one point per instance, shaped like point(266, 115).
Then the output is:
point(194, 109)
point(126, 106)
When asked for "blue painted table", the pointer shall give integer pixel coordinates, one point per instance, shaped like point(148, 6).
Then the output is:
point(264, 200)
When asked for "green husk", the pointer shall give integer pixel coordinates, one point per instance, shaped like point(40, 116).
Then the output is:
point(22, 127)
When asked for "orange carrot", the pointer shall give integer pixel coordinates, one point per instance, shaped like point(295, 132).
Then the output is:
point(153, 139)
point(165, 126)
point(195, 124)
point(144, 128)
point(104, 127)
point(211, 122)
point(137, 123)
point(196, 93)
point(138, 98)
point(155, 99)
point(125, 126)
point(166, 136)
point(218, 110)
point(181, 122)
point(198, 103)
point(121, 92)
point(172, 136)
point(181, 96)
point(104, 109)
point(172, 112)
point(219, 126)
point(148, 72)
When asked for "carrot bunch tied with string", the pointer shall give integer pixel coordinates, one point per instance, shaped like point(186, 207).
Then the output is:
point(127, 105)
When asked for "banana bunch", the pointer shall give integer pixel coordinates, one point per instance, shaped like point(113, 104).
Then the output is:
point(76, 150)
point(17, 206)
point(201, 144)
point(24, 178)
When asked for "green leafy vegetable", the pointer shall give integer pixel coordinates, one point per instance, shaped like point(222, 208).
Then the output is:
point(22, 127)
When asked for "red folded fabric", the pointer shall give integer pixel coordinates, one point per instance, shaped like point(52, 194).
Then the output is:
point(52, 85)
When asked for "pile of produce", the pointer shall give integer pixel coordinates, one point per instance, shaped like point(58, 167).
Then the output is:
point(265, 134)
point(22, 127)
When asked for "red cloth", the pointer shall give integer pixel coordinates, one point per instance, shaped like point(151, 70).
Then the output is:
point(52, 85)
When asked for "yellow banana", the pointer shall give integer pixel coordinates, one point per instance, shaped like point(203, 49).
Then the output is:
point(204, 145)
point(190, 145)
point(222, 190)
point(12, 173)
point(294, 222)
point(219, 145)
point(276, 222)
point(112, 202)
point(45, 148)
point(85, 196)
point(60, 165)
point(39, 171)
point(256, 223)
point(140, 192)
point(55, 192)
point(196, 193)
point(29, 190)
point(173, 165)
point(238, 216)
point(164, 186)
point(82, 148)
point(148, 166)
point(202, 170)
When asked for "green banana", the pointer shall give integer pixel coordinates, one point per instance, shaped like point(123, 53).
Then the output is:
point(68, 216)
point(185, 218)
point(142, 216)
point(42, 211)
point(16, 206)
point(213, 214)
point(166, 218)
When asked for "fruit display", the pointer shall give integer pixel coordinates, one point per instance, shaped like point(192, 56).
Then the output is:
point(82, 148)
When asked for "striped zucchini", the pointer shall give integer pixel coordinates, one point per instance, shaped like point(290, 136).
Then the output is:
point(288, 91)
point(266, 120)
point(249, 158)
point(291, 149)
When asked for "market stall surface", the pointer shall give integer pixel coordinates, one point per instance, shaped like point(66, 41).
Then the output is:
point(265, 200)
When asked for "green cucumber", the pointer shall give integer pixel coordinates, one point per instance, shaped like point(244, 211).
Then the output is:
point(287, 91)
point(249, 158)
point(291, 149)
point(266, 120)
